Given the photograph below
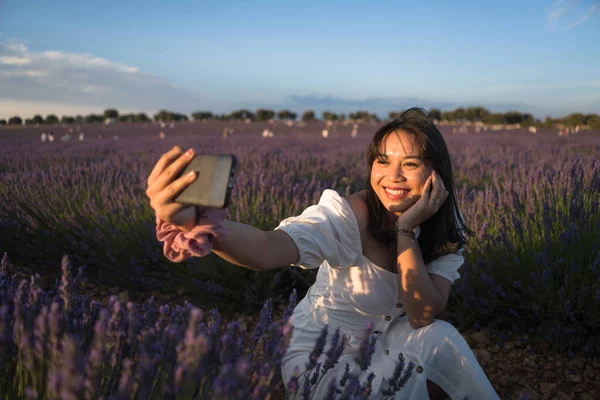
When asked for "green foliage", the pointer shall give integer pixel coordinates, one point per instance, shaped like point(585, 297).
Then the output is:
point(363, 116)
point(285, 115)
point(202, 115)
point(168, 116)
point(264, 115)
point(329, 116)
point(92, 118)
point(51, 119)
point(67, 120)
point(495, 118)
point(435, 113)
point(37, 119)
point(111, 113)
point(16, 120)
point(2, 122)
point(242, 114)
point(308, 116)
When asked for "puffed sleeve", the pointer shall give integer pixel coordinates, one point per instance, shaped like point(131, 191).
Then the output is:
point(447, 265)
point(325, 231)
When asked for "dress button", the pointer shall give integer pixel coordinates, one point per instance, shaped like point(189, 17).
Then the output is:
point(387, 352)
point(399, 305)
point(419, 369)
point(388, 318)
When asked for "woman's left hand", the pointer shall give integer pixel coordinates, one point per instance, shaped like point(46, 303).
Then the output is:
point(432, 197)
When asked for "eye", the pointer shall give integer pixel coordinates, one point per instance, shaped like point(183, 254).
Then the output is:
point(411, 164)
point(382, 161)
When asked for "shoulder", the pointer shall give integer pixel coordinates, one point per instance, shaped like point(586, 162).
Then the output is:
point(358, 204)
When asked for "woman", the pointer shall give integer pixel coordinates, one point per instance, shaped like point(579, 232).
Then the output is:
point(387, 255)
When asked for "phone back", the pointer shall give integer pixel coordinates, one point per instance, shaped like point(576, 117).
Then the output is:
point(212, 186)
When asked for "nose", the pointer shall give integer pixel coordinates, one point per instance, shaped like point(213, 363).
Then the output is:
point(396, 175)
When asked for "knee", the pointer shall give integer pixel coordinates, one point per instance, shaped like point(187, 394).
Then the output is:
point(440, 339)
point(440, 329)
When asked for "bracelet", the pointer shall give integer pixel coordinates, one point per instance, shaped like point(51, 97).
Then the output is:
point(413, 233)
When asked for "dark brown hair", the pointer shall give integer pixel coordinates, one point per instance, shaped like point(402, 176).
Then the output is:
point(443, 233)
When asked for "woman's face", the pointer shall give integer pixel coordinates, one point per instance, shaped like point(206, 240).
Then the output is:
point(398, 176)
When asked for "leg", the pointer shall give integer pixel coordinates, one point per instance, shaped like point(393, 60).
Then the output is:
point(443, 357)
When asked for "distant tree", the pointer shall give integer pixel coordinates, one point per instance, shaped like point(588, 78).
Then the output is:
point(51, 119)
point(575, 119)
point(37, 119)
point(264, 114)
point(16, 120)
point(168, 116)
point(111, 113)
point(242, 114)
point(28, 121)
point(448, 116)
point(513, 117)
point(495, 118)
point(593, 121)
point(329, 116)
point(79, 119)
point(548, 123)
point(202, 115)
point(92, 118)
point(2, 122)
point(393, 114)
point(361, 115)
point(435, 113)
point(286, 115)
point(141, 117)
point(342, 117)
point(126, 118)
point(459, 114)
point(308, 115)
point(67, 120)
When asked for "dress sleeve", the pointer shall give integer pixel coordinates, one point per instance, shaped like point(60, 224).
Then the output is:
point(325, 231)
point(447, 265)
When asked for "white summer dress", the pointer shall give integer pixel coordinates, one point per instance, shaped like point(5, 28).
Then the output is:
point(350, 291)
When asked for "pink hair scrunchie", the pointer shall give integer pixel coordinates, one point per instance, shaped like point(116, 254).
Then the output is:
point(180, 245)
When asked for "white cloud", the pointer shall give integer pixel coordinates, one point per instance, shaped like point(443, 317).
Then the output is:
point(587, 16)
point(84, 81)
point(559, 8)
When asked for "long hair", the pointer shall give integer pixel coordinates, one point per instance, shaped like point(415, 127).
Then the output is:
point(445, 232)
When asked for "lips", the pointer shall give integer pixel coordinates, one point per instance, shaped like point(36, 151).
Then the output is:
point(396, 194)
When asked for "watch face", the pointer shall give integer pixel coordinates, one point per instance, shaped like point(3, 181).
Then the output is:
point(417, 232)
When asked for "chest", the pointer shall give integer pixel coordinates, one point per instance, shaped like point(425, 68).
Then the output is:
point(383, 256)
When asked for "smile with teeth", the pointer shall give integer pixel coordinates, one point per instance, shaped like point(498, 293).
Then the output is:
point(398, 192)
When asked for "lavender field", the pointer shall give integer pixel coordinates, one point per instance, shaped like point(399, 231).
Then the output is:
point(532, 269)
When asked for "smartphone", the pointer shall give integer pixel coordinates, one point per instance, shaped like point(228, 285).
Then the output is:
point(213, 184)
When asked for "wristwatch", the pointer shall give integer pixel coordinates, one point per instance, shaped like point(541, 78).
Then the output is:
point(413, 233)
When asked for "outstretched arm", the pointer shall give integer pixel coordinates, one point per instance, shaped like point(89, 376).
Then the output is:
point(255, 249)
point(245, 245)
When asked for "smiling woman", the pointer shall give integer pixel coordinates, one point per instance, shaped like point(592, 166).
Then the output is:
point(375, 270)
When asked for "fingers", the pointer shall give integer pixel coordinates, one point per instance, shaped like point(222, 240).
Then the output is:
point(163, 163)
point(172, 165)
point(165, 196)
point(426, 192)
point(439, 194)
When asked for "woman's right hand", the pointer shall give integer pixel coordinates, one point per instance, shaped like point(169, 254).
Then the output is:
point(164, 186)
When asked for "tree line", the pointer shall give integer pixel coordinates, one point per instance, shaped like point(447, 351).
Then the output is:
point(460, 114)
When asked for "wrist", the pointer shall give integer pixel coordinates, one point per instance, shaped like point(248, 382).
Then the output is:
point(403, 230)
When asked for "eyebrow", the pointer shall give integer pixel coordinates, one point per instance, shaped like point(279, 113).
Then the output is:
point(381, 155)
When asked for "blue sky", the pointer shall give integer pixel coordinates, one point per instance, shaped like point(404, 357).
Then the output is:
point(70, 57)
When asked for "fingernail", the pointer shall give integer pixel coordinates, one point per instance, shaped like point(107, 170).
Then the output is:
point(191, 173)
point(189, 152)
